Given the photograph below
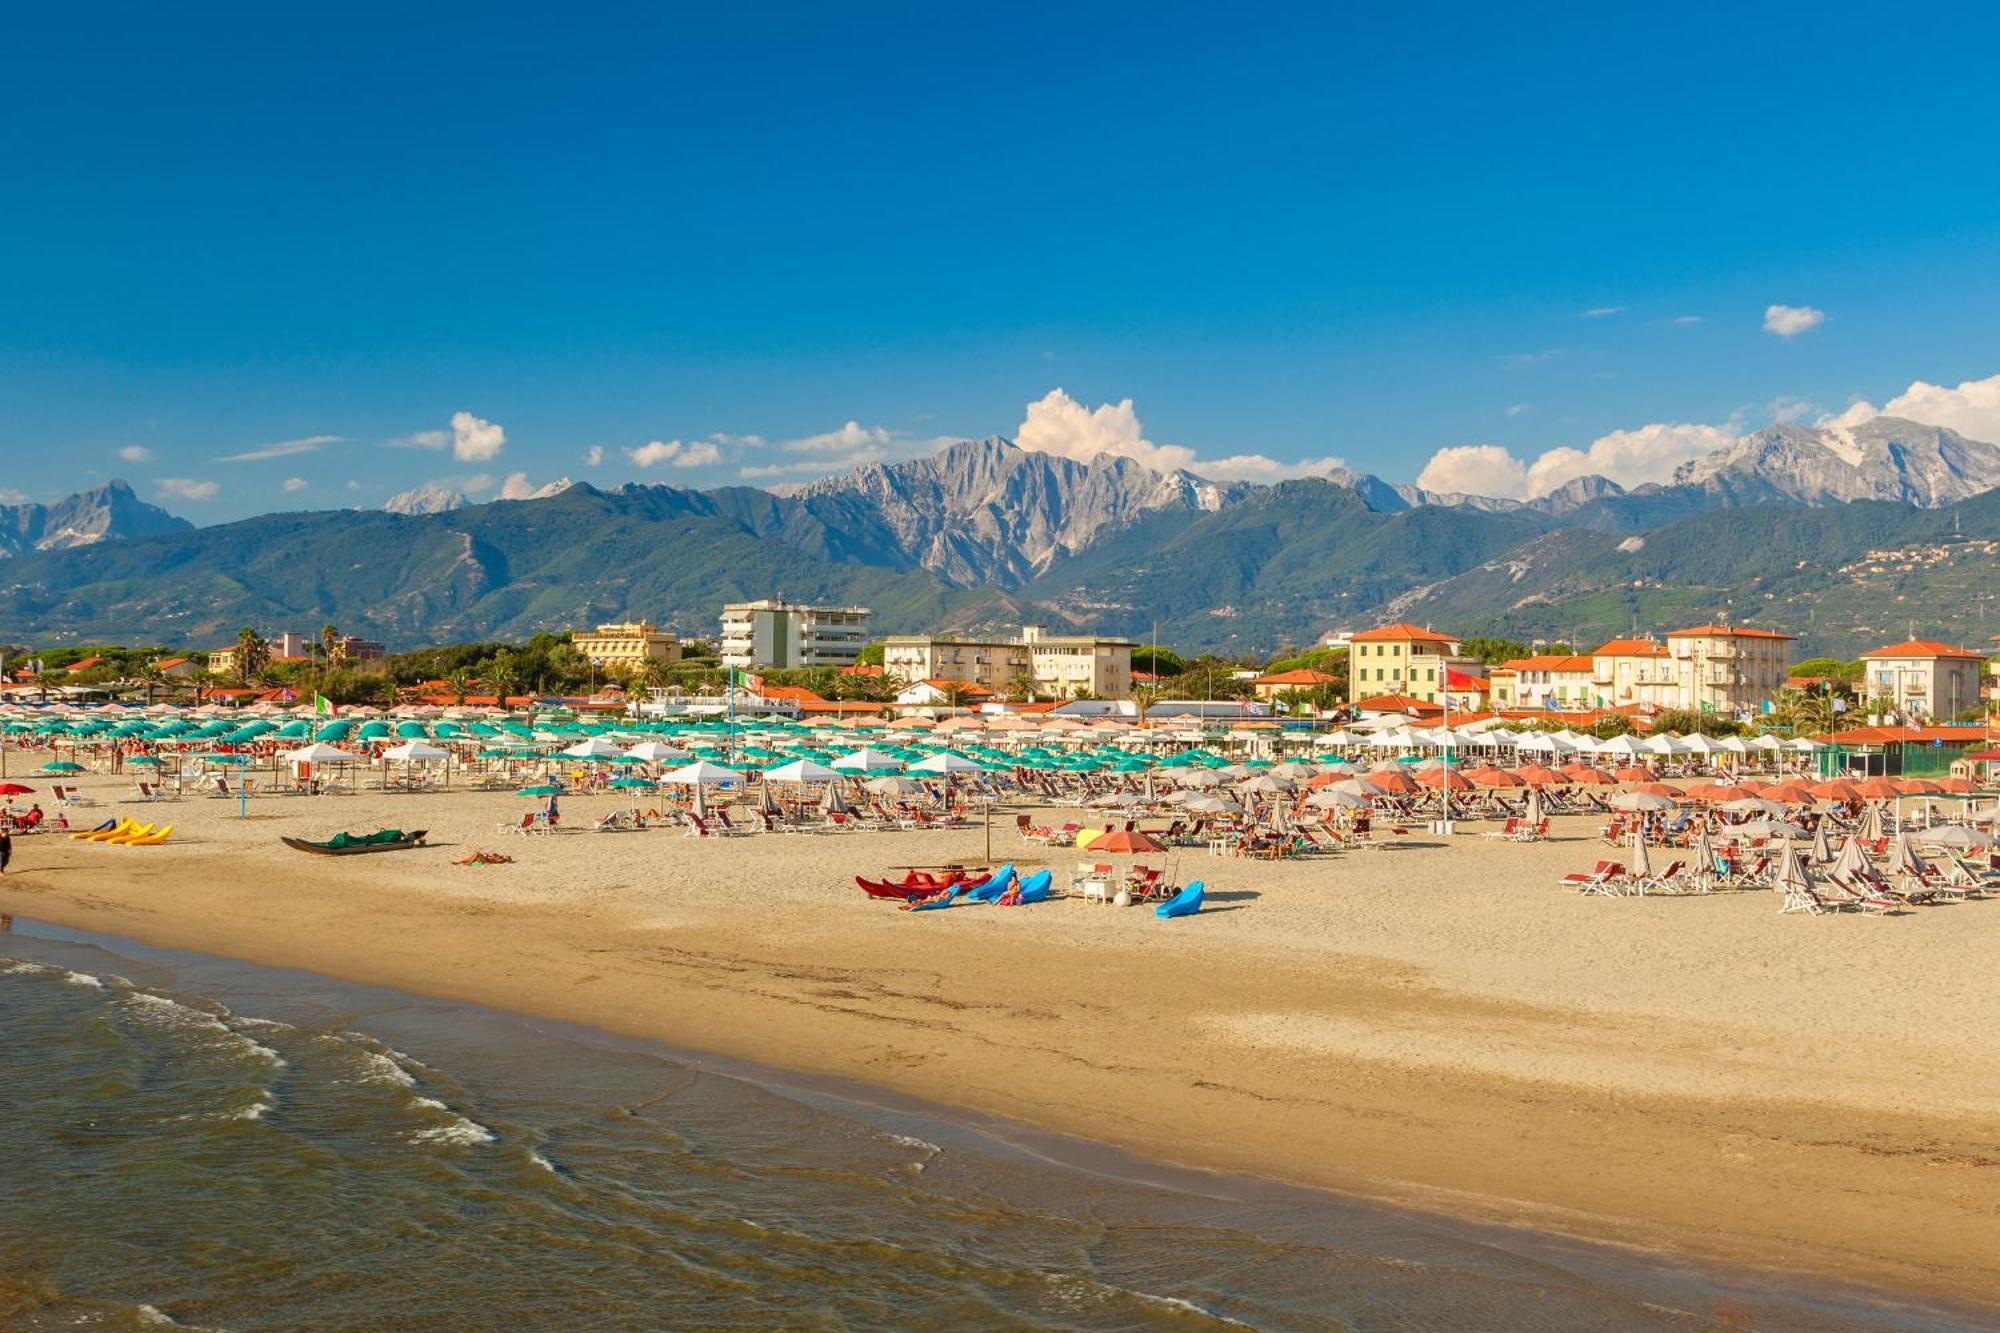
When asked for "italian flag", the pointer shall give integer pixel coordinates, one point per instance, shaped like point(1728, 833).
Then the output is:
point(323, 706)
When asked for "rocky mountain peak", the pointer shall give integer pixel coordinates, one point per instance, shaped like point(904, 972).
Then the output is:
point(111, 512)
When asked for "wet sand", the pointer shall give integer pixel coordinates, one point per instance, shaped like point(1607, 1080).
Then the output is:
point(1437, 1025)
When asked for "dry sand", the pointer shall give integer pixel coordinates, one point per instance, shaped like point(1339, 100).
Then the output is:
point(1434, 1024)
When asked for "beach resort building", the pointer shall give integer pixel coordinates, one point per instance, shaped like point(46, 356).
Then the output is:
point(177, 668)
point(1546, 681)
point(1634, 671)
point(348, 648)
point(1057, 666)
point(1922, 678)
point(776, 633)
point(1728, 668)
point(1401, 659)
point(1279, 684)
point(627, 645)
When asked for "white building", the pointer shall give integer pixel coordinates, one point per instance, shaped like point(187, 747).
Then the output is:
point(777, 633)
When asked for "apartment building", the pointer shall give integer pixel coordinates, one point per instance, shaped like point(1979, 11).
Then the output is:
point(1402, 659)
point(1546, 680)
point(1727, 668)
point(627, 645)
point(1058, 666)
point(1634, 671)
point(1922, 678)
point(776, 633)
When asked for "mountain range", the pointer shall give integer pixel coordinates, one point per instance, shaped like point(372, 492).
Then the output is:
point(1845, 536)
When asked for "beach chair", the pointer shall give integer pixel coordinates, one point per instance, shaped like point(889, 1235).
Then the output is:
point(1667, 881)
point(1510, 831)
point(1602, 878)
point(697, 827)
point(516, 826)
point(70, 796)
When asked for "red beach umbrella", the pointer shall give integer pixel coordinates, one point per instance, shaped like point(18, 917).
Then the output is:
point(1633, 773)
point(14, 789)
point(1587, 776)
point(1394, 783)
point(1541, 775)
point(1789, 793)
point(1918, 787)
point(1434, 778)
point(1126, 842)
point(1835, 790)
point(1494, 777)
point(1877, 789)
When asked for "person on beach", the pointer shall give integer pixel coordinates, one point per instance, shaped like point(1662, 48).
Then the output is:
point(6, 848)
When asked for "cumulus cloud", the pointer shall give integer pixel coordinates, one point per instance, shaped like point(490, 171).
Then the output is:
point(1058, 424)
point(1852, 415)
point(1785, 407)
point(1628, 457)
point(847, 439)
point(294, 484)
point(1788, 321)
point(691, 453)
point(136, 453)
point(1971, 409)
point(282, 449)
point(423, 439)
point(593, 456)
point(475, 440)
point(851, 446)
point(517, 487)
point(186, 488)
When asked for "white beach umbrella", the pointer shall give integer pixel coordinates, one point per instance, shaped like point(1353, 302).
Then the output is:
point(1332, 798)
point(1662, 744)
point(657, 752)
point(319, 752)
point(801, 770)
point(946, 762)
point(701, 774)
point(1639, 800)
point(889, 784)
point(1733, 745)
point(1622, 746)
point(866, 760)
point(1955, 836)
point(1698, 744)
point(1753, 805)
point(1769, 828)
point(594, 747)
point(412, 751)
point(1642, 860)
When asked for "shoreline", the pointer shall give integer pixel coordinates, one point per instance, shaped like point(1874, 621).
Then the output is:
point(1388, 1062)
point(890, 1110)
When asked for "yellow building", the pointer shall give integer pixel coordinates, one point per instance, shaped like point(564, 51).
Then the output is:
point(627, 645)
point(1922, 678)
point(1059, 666)
point(1727, 668)
point(1400, 659)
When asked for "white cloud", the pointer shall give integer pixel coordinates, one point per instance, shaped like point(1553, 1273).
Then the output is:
point(1475, 469)
point(475, 440)
point(1788, 321)
point(692, 453)
point(1058, 424)
point(423, 439)
point(593, 456)
point(1785, 407)
point(136, 453)
point(186, 488)
point(1852, 415)
point(478, 481)
point(1516, 409)
point(282, 449)
point(1971, 409)
point(516, 487)
point(10, 496)
point(1689, 321)
point(1628, 457)
point(847, 439)
point(294, 484)
point(1603, 311)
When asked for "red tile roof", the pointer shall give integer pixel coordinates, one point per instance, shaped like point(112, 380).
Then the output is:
point(1301, 676)
point(1726, 632)
point(1550, 662)
point(83, 664)
point(794, 693)
point(1907, 648)
point(1400, 631)
point(1914, 735)
point(1460, 680)
point(1396, 703)
point(1630, 648)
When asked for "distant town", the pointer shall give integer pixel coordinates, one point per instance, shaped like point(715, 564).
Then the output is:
point(775, 656)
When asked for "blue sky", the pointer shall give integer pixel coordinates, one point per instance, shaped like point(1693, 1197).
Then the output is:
point(730, 231)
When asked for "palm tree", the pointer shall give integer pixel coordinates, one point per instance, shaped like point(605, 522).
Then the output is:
point(1146, 696)
point(459, 680)
point(150, 673)
point(329, 640)
point(1022, 689)
point(252, 655)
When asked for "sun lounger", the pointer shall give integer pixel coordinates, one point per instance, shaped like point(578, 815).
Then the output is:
point(1602, 874)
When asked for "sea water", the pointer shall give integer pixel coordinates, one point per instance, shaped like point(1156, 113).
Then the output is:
point(197, 1142)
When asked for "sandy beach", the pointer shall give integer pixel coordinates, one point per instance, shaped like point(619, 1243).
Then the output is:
point(1433, 1024)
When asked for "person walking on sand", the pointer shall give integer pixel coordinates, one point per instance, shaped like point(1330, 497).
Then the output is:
point(6, 848)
